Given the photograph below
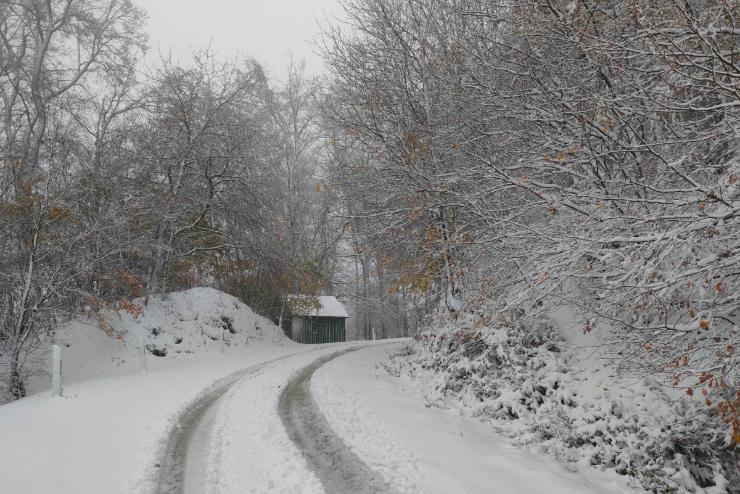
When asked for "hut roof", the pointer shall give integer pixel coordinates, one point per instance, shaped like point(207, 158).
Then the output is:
point(329, 307)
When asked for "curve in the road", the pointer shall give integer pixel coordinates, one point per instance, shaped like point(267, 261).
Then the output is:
point(338, 468)
point(177, 454)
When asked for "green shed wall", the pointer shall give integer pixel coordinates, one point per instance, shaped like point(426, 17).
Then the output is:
point(315, 330)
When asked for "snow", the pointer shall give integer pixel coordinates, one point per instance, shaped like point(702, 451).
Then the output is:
point(108, 431)
point(106, 434)
point(248, 449)
point(424, 449)
point(272, 463)
point(329, 307)
point(549, 387)
point(411, 425)
point(181, 325)
point(252, 452)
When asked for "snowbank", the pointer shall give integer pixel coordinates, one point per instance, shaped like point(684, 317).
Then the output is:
point(434, 450)
point(181, 325)
point(555, 394)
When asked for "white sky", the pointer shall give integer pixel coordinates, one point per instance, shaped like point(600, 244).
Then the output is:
point(267, 30)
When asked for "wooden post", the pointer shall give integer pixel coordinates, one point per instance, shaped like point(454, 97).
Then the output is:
point(56, 371)
point(222, 340)
point(142, 352)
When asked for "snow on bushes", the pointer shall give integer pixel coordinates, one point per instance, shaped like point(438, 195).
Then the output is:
point(174, 326)
point(533, 387)
point(181, 322)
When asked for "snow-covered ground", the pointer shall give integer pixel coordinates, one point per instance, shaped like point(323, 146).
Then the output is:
point(193, 324)
point(548, 387)
point(108, 431)
point(252, 452)
point(425, 449)
point(106, 434)
point(112, 430)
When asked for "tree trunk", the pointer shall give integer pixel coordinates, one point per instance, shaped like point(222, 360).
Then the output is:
point(16, 382)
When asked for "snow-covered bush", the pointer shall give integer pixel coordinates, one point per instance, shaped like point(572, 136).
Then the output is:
point(529, 383)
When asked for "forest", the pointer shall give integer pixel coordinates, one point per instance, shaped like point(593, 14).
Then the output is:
point(119, 182)
point(486, 161)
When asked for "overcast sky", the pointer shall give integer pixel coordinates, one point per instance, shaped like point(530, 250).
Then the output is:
point(267, 30)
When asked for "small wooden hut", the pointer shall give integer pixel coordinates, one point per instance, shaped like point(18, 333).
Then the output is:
point(314, 320)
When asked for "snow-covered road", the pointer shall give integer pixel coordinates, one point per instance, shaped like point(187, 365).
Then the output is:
point(303, 420)
point(183, 468)
point(422, 447)
point(337, 466)
point(262, 432)
point(331, 420)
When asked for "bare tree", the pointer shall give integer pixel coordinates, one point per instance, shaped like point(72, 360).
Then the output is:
point(50, 49)
point(546, 153)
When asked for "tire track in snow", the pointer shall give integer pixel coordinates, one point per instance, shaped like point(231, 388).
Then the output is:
point(187, 445)
point(338, 468)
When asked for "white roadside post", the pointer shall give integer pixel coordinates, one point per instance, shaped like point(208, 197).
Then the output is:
point(373, 334)
point(56, 371)
point(142, 352)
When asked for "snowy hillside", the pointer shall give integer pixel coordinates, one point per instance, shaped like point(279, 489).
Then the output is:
point(176, 326)
point(547, 386)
